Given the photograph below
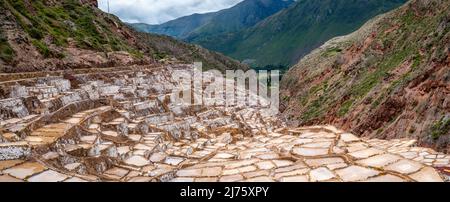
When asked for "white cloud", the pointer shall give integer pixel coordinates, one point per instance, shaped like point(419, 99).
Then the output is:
point(160, 11)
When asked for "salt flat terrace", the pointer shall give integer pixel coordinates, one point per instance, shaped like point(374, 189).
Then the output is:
point(125, 127)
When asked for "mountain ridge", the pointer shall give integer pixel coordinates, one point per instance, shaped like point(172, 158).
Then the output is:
point(282, 39)
point(289, 33)
point(178, 28)
point(245, 14)
point(59, 35)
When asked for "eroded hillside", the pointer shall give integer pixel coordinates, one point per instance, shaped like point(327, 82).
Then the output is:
point(55, 35)
point(390, 79)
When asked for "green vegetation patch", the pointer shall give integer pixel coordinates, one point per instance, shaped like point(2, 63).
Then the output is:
point(304, 99)
point(332, 52)
point(371, 79)
point(315, 109)
point(6, 52)
point(66, 19)
point(42, 48)
point(440, 128)
point(345, 108)
point(319, 105)
point(160, 55)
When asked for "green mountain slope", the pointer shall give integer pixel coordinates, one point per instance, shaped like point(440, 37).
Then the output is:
point(198, 27)
point(390, 79)
point(179, 28)
point(290, 34)
point(65, 34)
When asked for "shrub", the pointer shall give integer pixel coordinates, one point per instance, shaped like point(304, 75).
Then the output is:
point(6, 52)
point(440, 128)
point(35, 33)
point(345, 108)
point(42, 48)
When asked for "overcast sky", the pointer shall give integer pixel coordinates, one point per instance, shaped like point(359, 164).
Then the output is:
point(160, 11)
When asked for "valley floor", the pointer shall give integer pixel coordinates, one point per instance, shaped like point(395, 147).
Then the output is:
point(123, 126)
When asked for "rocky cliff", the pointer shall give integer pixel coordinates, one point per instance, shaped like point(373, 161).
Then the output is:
point(390, 79)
